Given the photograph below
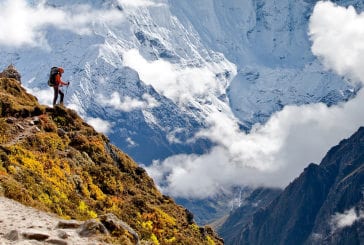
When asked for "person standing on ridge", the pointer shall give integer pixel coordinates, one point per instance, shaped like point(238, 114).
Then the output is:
point(57, 84)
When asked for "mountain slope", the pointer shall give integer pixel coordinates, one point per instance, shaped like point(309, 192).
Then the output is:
point(268, 42)
point(324, 205)
point(241, 216)
point(246, 59)
point(51, 159)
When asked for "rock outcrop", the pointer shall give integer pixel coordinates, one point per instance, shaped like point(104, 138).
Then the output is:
point(11, 72)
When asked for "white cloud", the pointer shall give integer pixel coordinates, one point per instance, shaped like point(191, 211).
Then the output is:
point(181, 84)
point(337, 34)
point(172, 136)
point(127, 103)
point(99, 125)
point(131, 142)
point(137, 3)
point(275, 153)
point(270, 155)
point(341, 220)
point(23, 24)
point(44, 96)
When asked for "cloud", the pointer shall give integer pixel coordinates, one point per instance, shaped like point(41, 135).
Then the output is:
point(181, 84)
point(271, 155)
point(341, 220)
point(337, 34)
point(137, 3)
point(22, 24)
point(275, 153)
point(172, 136)
point(127, 103)
point(100, 125)
point(44, 96)
point(131, 142)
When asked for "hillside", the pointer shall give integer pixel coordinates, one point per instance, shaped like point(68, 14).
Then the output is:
point(52, 160)
point(324, 205)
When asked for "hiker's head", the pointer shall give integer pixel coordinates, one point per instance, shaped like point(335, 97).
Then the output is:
point(60, 70)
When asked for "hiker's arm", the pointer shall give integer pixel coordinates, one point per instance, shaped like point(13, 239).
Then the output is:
point(59, 80)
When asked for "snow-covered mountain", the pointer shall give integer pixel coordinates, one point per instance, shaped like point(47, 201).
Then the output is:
point(158, 106)
point(269, 43)
point(150, 72)
point(157, 74)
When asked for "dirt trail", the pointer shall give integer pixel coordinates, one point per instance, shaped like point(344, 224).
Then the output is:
point(23, 128)
point(26, 221)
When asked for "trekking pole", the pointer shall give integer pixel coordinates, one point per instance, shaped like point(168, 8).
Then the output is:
point(67, 88)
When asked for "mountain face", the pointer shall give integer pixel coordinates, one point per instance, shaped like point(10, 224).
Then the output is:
point(52, 160)
point(324, 205)
point(241, 216)
point(246, 59)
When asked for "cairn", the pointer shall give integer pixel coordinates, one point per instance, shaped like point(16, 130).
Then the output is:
point(11, 72)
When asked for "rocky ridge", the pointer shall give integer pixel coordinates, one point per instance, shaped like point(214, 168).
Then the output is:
point(324, 205)
point(50, 159)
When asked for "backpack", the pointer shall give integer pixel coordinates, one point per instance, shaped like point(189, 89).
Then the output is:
point(52, 76)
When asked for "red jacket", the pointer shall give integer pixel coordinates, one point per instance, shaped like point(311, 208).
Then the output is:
point(59, 80)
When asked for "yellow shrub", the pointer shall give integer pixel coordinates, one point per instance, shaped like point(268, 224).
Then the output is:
point(44, 198)
point(210, 241)
point(154, 239)
point(171, 240)
point(195, 227)
point(165, 217)
point(84, 209)
point(12, 169)
point(148, 225)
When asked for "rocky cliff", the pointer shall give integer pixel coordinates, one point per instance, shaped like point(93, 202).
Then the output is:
point(52, 160)
point(240, 217)
point(324, 205)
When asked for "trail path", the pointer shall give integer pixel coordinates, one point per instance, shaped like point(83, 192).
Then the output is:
point(25, 128)
point(27, 223)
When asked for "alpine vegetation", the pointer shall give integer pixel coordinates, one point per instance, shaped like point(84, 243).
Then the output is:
point(54, 161)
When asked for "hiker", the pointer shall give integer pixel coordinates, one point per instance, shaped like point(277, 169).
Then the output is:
point(57, 84)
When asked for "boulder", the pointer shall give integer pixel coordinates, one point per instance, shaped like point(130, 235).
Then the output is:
point(92, 227)
point(35, 236)
point(12, 235)
point(69, 224)
point(117, 226)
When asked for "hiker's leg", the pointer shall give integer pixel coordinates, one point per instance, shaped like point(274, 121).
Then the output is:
point(55, 97)
point(62, 96)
